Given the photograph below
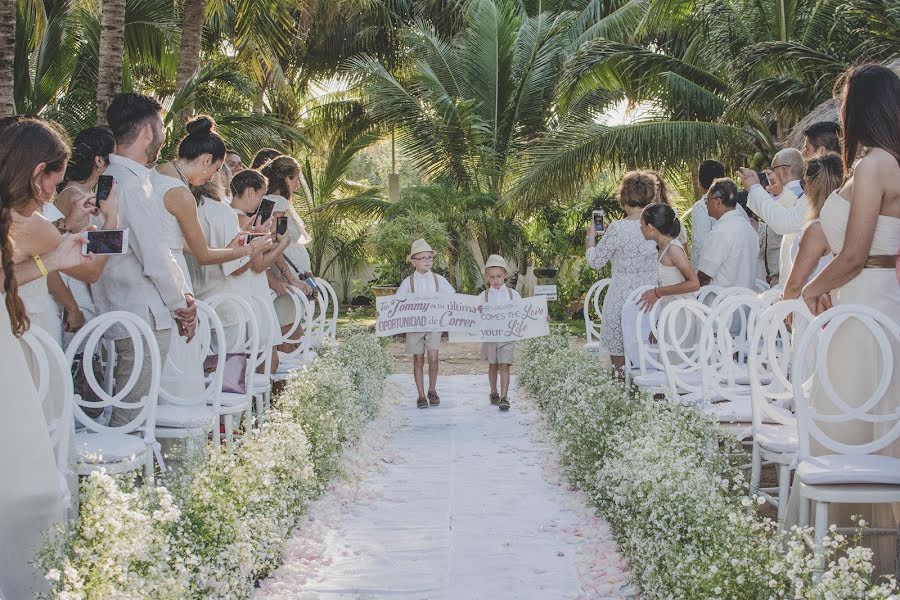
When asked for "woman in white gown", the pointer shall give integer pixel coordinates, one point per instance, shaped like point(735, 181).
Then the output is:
point(200, 156)
point(32, 163)
point(862, 224)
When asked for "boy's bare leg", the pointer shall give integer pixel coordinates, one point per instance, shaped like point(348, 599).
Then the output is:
point(492, 377)
point(419, 373)
point(504, 380)
point(432, 370)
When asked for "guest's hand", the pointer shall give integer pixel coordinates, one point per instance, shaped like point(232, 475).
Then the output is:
point(748, 177)
point(260, 244)
point(77, 218)
point(188, 314)
point(73, 319)
point(68, 253)
point(109, 208)
point(647, 300)
point(591, 235)
point(823, 303)
point(278, 287)
point(304, 287)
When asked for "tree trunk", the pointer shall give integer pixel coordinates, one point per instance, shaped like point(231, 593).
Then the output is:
point(112, 50)
point(7, 56)
point(189, 51)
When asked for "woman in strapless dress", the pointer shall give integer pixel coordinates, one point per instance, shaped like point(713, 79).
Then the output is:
point(862, 224)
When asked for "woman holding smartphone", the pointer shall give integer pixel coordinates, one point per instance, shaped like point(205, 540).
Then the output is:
point(200, 156)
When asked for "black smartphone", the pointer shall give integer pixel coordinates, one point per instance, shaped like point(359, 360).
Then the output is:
point(763, 179)
point(281, 225)
point(598, 216)
point(104, 187)
point(264, 212)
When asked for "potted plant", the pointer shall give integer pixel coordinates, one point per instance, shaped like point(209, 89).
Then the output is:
point(391, 240)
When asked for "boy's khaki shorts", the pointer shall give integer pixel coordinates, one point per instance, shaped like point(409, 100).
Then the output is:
point(498, 353)
point(417, 342)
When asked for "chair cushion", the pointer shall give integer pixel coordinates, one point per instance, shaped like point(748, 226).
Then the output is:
point(261, 380)
point(778, 438)
point(844, 468)
point(229, 399)
point(591, 347)
point(655, 379)
point(695, 398)
point(730, 411)
point(184, 417)
point(107, 447)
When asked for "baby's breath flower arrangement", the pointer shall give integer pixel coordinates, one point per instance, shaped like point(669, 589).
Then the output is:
point(221, 523)
point(661, 475)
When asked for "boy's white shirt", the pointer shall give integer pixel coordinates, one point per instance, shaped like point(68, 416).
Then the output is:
point(425, 285)
point(496, 296)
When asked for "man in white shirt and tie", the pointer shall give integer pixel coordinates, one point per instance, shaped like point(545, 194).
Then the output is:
point(146, 280)
point(730, 253)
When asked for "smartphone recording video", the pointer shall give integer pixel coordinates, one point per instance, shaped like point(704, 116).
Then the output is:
point(763, 179)
point(264, 212)
point(598, 216)
point(107, 241)
point(104, 187)
point(281, 225)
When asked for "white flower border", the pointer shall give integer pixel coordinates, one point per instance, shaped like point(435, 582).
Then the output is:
point(661, 475)
point(222, 524)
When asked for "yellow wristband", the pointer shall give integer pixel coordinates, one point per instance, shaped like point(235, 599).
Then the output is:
point(40, 265)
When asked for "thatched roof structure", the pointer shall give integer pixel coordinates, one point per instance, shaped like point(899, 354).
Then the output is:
point(827, 111)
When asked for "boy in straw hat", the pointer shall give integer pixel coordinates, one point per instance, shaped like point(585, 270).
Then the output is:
point(425, 283)
point(499, 355)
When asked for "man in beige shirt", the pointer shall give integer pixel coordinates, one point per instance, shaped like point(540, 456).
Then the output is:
point(146, 280)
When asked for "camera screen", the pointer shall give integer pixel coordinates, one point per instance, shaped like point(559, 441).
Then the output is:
point(281, 225)
point(105, 242)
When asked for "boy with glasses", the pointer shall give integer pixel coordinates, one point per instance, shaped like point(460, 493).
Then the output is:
point(425, 283)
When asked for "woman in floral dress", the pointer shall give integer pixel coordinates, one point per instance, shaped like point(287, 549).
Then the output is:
point(633, 260)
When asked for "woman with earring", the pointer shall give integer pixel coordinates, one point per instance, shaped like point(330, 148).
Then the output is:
point(200, 155)
point(32, 501)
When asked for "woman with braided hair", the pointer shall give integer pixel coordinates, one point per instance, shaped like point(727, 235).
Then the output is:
point(32, 162)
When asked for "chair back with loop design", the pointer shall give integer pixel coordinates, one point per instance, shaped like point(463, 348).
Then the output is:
point(592, 324)
point(301, 331)
point(53, 381)
point(143, 421)
point(332, 304)
point(641, 356)
point(679, 351)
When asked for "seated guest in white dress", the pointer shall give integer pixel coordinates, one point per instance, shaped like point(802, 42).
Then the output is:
point(247, 189)
point(730, 252)
point(824, 174)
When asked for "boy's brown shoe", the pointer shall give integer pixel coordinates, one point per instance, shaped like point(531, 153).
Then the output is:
point(433, 398)
point(504, 404)
point(495, 399)
point(421, 403)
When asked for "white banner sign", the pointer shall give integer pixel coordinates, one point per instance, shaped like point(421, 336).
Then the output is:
point(467, 318)
point(444, 312)
point(549, 291)
point(508, 322)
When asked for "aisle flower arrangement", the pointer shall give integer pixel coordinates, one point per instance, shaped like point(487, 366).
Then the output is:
point(221, 523)
point(661, 475)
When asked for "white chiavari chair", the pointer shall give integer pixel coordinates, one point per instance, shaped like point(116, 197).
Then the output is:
point(333, 305)
point(194, 418)
point(127, 447)
point(591, 324)
point(771, 392)
point(642, 362)
point(844, 471)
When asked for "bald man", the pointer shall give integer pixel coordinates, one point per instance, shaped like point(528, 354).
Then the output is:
point(785, 215)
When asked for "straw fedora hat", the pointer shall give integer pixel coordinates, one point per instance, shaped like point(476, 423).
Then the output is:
point(495, 260)
point(418, 247)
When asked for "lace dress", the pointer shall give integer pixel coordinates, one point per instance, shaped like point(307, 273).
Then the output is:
point(633, 261)
point(182, 374)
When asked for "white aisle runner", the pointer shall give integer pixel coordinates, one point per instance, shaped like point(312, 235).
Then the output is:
point(458, 504)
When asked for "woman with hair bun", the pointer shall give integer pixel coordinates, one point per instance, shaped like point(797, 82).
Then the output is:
point(633, 260)
point(675, 277)
point(200, 156)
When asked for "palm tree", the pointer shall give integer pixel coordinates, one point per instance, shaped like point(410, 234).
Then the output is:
point(112, 47)
point(191, 41)
point(7, 56)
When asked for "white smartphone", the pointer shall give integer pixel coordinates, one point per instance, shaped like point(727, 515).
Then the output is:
point(106, 241)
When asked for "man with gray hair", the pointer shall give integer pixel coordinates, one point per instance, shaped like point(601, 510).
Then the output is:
point(785, 214)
